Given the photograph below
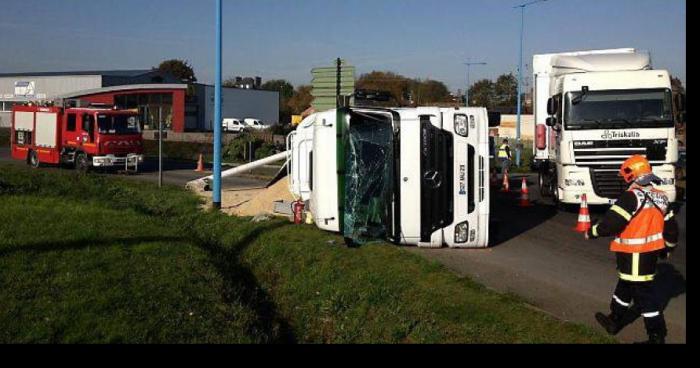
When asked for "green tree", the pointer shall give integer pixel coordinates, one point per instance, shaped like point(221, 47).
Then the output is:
point(286, 91)
point(181, 69)
point(506, 90)
point(482, 93)
point(430, 91)
point(300, 100)
point(397, 85)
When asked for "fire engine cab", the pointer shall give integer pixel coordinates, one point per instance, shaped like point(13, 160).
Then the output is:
point(82, 137)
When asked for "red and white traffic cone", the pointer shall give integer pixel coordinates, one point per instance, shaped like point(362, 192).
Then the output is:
point(506, 184)
point(524, 195)
point(584, 217)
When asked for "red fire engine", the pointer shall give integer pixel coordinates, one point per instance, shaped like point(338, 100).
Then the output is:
point(83, 137)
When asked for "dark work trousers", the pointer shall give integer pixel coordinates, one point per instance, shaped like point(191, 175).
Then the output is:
point(634, 298)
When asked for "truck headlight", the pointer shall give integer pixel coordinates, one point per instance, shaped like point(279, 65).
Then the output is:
point(461, 126)
point(574, 182)
point(462, 232)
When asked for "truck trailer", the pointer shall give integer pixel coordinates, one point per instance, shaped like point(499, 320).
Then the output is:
point(593, 109)
point(413, 176)
point(82, 137)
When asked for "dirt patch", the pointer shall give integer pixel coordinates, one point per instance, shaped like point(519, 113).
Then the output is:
point(253, 201)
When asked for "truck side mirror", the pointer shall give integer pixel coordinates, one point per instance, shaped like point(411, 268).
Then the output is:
point(551, 106)
point(551, 121)
point(494, 119)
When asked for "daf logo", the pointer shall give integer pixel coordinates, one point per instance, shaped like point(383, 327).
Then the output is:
point(433, 179)
point(606, 135)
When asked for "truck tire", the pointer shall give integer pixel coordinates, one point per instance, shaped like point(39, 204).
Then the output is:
point(82, 165)
point(33, 159)
point(544, 185)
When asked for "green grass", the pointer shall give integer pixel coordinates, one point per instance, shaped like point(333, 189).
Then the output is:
point(93, 259)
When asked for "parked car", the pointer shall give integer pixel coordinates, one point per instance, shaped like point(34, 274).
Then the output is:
point(254, 124)
point(233, 125)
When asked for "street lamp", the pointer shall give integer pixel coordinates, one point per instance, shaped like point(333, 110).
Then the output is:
point(520, 76)
point(216, 174)
point(466, 94)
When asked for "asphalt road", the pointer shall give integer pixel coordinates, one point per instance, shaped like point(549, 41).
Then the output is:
point(536, 254)
point(174, 172)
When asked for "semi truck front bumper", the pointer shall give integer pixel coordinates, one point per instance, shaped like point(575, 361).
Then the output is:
point(576, 181)
point(112, 160)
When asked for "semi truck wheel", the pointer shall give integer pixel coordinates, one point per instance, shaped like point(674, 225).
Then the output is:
point(81, 163)
point(33, 159)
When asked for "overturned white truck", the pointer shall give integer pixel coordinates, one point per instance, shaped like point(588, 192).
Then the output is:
point(414, 176)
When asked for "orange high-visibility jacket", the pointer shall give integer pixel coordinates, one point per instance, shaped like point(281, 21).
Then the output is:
point(644, 232)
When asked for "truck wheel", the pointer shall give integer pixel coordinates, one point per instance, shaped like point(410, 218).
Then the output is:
point(544, 186)
point(81, 163)
point(33, 159)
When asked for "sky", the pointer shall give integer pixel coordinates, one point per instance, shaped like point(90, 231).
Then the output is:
point(285, 39)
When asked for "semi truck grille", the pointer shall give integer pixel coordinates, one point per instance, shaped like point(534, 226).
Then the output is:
point(436, 165)
point(614, 153)
point(607, 183)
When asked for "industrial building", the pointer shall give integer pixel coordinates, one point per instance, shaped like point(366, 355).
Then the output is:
point(159, 97)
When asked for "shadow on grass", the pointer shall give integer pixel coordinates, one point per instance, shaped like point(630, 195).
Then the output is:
point(63, 245)
point(241, 284)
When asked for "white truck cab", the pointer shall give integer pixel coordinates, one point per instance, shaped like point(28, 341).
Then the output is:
point(593, 110)
point(233, 125)
point(414, 176)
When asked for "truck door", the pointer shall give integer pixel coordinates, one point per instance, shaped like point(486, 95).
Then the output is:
point(87, 131)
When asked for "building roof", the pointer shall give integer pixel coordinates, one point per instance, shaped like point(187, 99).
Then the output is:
point(126, 87)
point(110, 73)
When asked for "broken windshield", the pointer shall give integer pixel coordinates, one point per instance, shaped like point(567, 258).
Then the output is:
point(368, 177)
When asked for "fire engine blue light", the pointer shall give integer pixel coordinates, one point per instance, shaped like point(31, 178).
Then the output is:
point(216, 195)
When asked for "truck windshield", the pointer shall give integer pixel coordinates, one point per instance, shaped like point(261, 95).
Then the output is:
point(617, 109)
point(369, 177)
point(118, 124)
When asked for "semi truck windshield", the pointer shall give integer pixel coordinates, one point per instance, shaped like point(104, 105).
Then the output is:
point(619, 109)
point(369, 177)
point(118, 124)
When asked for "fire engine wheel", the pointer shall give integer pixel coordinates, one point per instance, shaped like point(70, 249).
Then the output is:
point(81, 163)
point(33, 159)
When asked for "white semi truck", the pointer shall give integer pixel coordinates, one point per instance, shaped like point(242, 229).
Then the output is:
point(414, 176)
point(593, 109)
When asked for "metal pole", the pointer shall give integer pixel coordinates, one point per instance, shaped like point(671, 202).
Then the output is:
point(216, 195)
point(160, 153)
point(520, 82)
point(466, 95)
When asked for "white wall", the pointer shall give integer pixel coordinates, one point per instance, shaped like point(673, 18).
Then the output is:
point(527, 128)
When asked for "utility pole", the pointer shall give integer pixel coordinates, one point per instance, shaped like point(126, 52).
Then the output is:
point(520, 77)
point(216, 174)
point(466, 94)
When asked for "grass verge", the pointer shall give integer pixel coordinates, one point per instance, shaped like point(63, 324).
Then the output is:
point(94, 259)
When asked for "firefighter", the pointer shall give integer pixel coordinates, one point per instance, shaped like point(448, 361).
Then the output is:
point(645, 230)
point(504, 156)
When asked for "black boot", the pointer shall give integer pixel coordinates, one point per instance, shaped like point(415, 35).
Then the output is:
point(654, 339)
point(610, 323)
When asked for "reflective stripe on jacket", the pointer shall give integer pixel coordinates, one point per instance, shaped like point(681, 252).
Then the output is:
point(502, 151)
point(644, 232)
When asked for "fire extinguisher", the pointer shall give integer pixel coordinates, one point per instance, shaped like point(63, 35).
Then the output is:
point(298, 207)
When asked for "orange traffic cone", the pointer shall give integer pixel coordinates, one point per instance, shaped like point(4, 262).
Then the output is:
point(506, 184)
point(524, 195)
point(200, 164)
point(584, 218)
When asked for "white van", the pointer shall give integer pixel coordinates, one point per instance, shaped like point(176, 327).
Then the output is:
point(414, 176)
point(254, 124)
point(233, 125)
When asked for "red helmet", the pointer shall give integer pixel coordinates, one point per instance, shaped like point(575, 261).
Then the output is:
point(634, 168)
